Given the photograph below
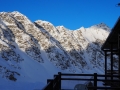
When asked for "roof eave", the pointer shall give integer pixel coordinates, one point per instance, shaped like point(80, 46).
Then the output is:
point(109, 37)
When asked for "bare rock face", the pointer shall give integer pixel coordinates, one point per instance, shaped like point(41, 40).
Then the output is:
point(71, 50)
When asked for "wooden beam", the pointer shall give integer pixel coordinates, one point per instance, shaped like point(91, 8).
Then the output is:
point(105, 64)
point(111, 46)
point(115, 43)
point(119, 52)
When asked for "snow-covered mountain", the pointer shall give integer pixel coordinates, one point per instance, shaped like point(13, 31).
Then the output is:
point(30, 53)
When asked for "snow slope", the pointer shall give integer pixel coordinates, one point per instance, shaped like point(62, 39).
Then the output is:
point(30, 53)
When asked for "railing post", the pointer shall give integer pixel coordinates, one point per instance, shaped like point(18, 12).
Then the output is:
point(95, 81)
point(59, 73)
point(56, 82)
point(51, 84)
point(105, 65)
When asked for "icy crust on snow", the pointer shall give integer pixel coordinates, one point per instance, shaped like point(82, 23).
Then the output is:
point(30, 53)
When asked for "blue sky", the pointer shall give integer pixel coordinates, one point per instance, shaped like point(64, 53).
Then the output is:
point(70, 13)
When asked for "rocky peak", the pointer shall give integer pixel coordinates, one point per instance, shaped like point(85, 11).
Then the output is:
point(102, 26)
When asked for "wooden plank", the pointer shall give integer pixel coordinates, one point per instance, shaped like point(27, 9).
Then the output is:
point(66, 74)
point(95, 80)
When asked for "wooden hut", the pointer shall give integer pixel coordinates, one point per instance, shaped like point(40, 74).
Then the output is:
point(112, 46)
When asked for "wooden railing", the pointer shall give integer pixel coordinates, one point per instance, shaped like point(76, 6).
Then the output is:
point(55, 84)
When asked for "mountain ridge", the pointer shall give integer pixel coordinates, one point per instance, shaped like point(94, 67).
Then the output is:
point(34, 51)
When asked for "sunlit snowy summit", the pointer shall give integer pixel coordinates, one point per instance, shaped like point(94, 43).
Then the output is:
point(32, 52)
